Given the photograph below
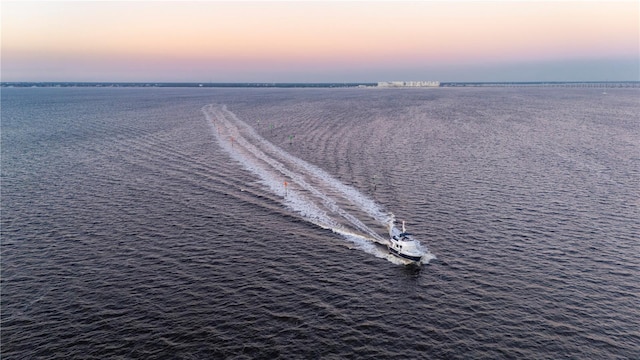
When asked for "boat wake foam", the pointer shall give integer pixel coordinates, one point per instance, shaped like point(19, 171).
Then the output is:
point(302, 187)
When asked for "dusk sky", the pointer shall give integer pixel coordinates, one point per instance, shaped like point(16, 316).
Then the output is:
point(324, 41)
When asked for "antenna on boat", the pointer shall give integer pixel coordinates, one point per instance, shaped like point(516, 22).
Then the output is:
point(403, 229)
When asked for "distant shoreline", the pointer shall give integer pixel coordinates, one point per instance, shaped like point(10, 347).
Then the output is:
point(574, 84)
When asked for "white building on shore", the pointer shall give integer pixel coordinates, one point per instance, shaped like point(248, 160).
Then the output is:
point(409, 84)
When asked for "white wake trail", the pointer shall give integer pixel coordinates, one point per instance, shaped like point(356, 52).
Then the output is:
point(312, 193)
point(348, 192)
point(299, 170)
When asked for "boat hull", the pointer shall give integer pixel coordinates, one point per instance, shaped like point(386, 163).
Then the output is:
point(416, 259)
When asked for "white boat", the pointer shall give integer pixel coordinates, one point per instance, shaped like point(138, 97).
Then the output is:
point(403, 245)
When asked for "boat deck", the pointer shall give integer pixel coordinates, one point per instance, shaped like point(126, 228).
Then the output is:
point(380, 241)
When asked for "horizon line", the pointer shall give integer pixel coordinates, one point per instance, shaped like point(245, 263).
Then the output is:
point(264, 84)
point(296, 82)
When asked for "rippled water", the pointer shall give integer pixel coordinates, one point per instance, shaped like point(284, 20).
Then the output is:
point(155, 223)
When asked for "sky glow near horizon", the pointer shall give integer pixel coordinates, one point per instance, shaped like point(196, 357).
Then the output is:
point(335, 41)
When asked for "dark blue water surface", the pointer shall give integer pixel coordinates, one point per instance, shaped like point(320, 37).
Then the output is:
point(150, 223)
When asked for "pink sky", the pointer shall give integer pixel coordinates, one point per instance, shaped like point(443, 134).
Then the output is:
point(302, 41)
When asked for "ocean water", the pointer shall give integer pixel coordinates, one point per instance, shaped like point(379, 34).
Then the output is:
point(155, 223)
